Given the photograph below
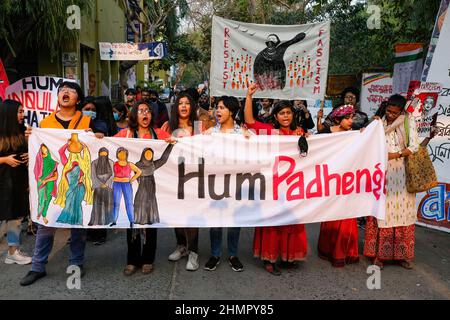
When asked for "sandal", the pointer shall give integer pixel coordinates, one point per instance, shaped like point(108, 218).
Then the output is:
point(147, 268)
point(406, 264)
point(129, 270)
point(272, 268)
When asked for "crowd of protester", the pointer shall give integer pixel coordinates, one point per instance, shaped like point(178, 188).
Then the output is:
point(143, 115)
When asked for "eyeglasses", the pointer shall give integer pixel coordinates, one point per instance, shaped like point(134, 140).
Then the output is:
point(144, 111)
point(67, 90)
point(350, 97)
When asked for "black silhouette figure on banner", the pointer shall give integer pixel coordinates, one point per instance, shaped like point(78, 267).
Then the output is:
point(145, 203)
point(269, 67)
point(102, 180)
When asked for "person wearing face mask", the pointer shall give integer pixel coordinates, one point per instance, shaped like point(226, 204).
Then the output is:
point(88, 108)
point(104, 121)
point(120, 114)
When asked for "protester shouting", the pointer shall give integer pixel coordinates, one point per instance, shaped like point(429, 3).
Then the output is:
point(288, 243)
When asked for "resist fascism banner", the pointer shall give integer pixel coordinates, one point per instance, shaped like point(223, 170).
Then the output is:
point(287, 62)
point(219, 180)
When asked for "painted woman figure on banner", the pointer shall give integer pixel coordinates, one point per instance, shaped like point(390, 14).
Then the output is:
point(46, 174)
point(75, 185)
point(102, 179)
point(122, 184)
point(145, 203)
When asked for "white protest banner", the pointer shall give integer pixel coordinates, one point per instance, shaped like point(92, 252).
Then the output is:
point(38, 96)
point(375, 88)
point(435, 37)
point(77, 180)
point(287, 62)
point(408, 66)
point(433, 206)
point(132, 51)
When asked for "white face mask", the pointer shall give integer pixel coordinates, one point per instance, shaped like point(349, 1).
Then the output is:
point(91, 114)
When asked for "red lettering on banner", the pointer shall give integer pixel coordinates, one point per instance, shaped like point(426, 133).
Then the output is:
point(298, 185)
point(30, 100)
point(225, 56)
point(277, 180)
point(319, 53)
point(324, 183)
point(327, 179)
point(317, 182)
point(347, 183)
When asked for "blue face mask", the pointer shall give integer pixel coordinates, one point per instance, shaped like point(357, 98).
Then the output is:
point(91, 114)
point(116, 116)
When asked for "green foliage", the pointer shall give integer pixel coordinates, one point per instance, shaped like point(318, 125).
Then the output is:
point(31, 25)
point(353, 47)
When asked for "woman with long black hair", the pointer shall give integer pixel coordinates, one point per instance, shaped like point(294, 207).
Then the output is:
point(183, 117)
point(289, 243)
point(14, 199)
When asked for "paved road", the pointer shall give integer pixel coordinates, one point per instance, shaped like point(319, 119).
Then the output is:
point(315, 279)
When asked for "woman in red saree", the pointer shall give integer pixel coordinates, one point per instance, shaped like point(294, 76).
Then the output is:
point(338, 240)
point(286, 242)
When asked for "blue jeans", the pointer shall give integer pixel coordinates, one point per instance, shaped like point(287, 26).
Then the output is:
point(216, 241)
point(44, 244)
point(14, 228)
point(127, 190)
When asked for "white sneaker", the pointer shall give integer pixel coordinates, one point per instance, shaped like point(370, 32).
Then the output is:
point(17, 257)
point(179, 252)
point(193, 262)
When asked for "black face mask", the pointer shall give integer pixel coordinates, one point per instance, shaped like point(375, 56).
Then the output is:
point(153, 99)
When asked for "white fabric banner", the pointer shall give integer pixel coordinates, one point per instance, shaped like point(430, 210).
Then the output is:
point(375, 88)
point(38, 95)
point(206, 180)
point(287, 62)
point(433, 206)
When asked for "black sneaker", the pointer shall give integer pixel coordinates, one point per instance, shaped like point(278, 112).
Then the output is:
point(32, 277)
point(212, 263)
point(235, 264)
